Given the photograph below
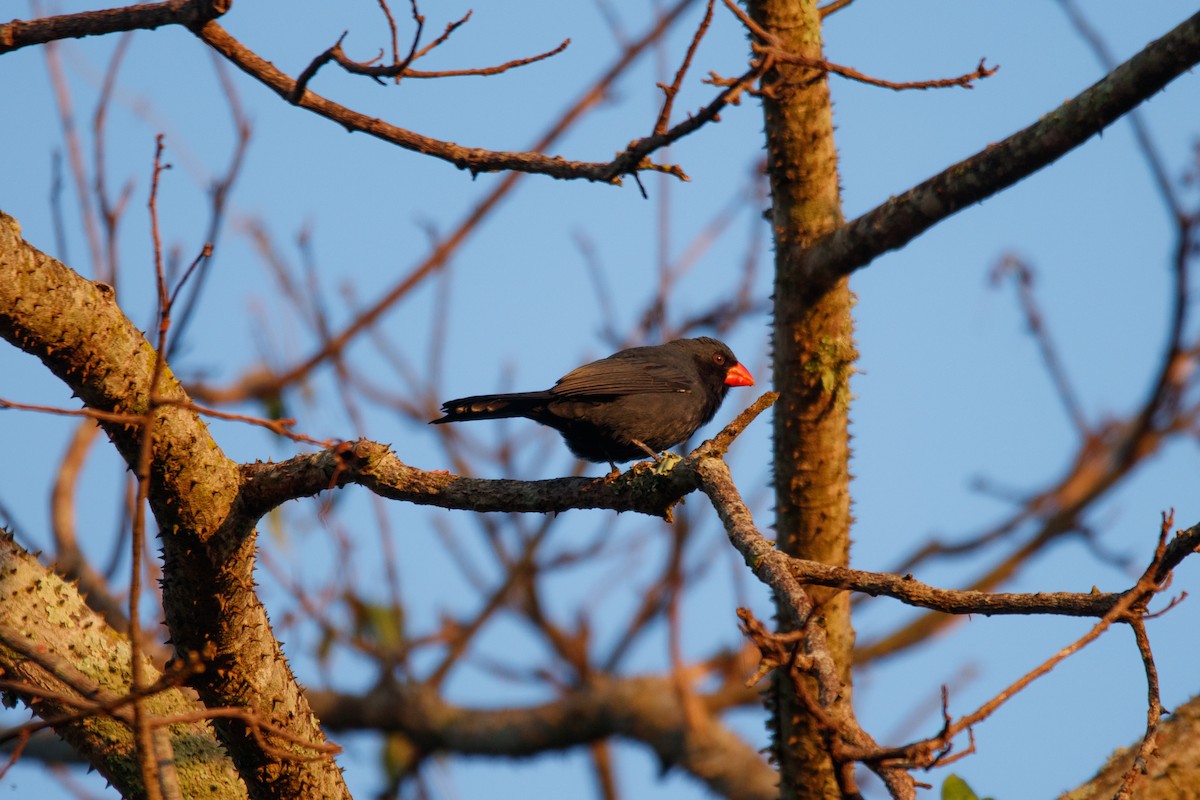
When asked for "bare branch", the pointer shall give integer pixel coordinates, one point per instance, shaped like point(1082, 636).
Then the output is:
point(375, 467)
point(474, 159)
point(833, 6)
point(904, 217)
point(404, 70)
point(664, 116)
point(1148, 750)
point(1023, 277)
point(23, 33)
point(772, 567)
point(771, 46)
point(645, 709)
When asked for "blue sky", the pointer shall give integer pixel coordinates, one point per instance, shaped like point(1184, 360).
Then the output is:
point(950, 389)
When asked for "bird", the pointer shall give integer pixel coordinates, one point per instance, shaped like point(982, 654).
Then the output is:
point(636, 402)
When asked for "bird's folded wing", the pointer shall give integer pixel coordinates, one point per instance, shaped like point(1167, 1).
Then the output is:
point(615, 375)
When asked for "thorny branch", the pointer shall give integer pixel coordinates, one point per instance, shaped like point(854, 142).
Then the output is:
point(374, 466)
point(802, 649)
point(771, 566)
point(1131, 609)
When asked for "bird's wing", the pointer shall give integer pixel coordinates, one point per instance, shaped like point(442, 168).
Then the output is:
point(623, 373)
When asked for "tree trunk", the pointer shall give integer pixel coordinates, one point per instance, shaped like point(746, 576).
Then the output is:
point(813, 359)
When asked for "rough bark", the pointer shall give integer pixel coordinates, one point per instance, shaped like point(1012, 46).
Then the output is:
point(69, 659)
point(813, 341)
point(76, 328)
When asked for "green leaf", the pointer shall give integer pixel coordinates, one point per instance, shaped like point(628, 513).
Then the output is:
point(955, 788)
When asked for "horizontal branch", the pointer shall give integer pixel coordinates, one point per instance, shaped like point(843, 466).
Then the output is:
point(998, 166)
point(474, 159)
point(404, 71)
point(21, 33)
point(645, 709)
point(375, 467)
point(763, 556)
point(772, 47)
point(912, 592)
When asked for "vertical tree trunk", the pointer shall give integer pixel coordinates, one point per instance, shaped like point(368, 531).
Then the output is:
point(813, 359)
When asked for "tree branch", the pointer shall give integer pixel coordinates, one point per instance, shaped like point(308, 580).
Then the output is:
point(21, 33)
point(901, 219)
point(474, 159)
point(71, 679)
point(772, 567)
point(51, 312)
point(645, 709)
point(375, 467)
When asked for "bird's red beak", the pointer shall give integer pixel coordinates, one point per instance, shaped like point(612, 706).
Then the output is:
point(739, 376)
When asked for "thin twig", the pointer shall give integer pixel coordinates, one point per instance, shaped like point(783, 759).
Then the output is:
point(145, 750)
point(1023, 277)
point(387, 12)
point(442, 251)
point(1129, 608)
point(769, 45)
point(664, 116)
point(832, 7)
point(1148, 748)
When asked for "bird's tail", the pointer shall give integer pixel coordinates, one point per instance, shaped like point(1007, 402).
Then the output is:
point(493, 406)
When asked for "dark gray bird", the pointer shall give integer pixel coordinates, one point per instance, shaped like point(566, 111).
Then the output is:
point(636, 402)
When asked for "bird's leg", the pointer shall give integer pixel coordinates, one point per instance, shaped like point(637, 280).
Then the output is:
point(662, 463)
point(642, 445)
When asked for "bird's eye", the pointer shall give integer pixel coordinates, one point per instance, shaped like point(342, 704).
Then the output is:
point(718, 359)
